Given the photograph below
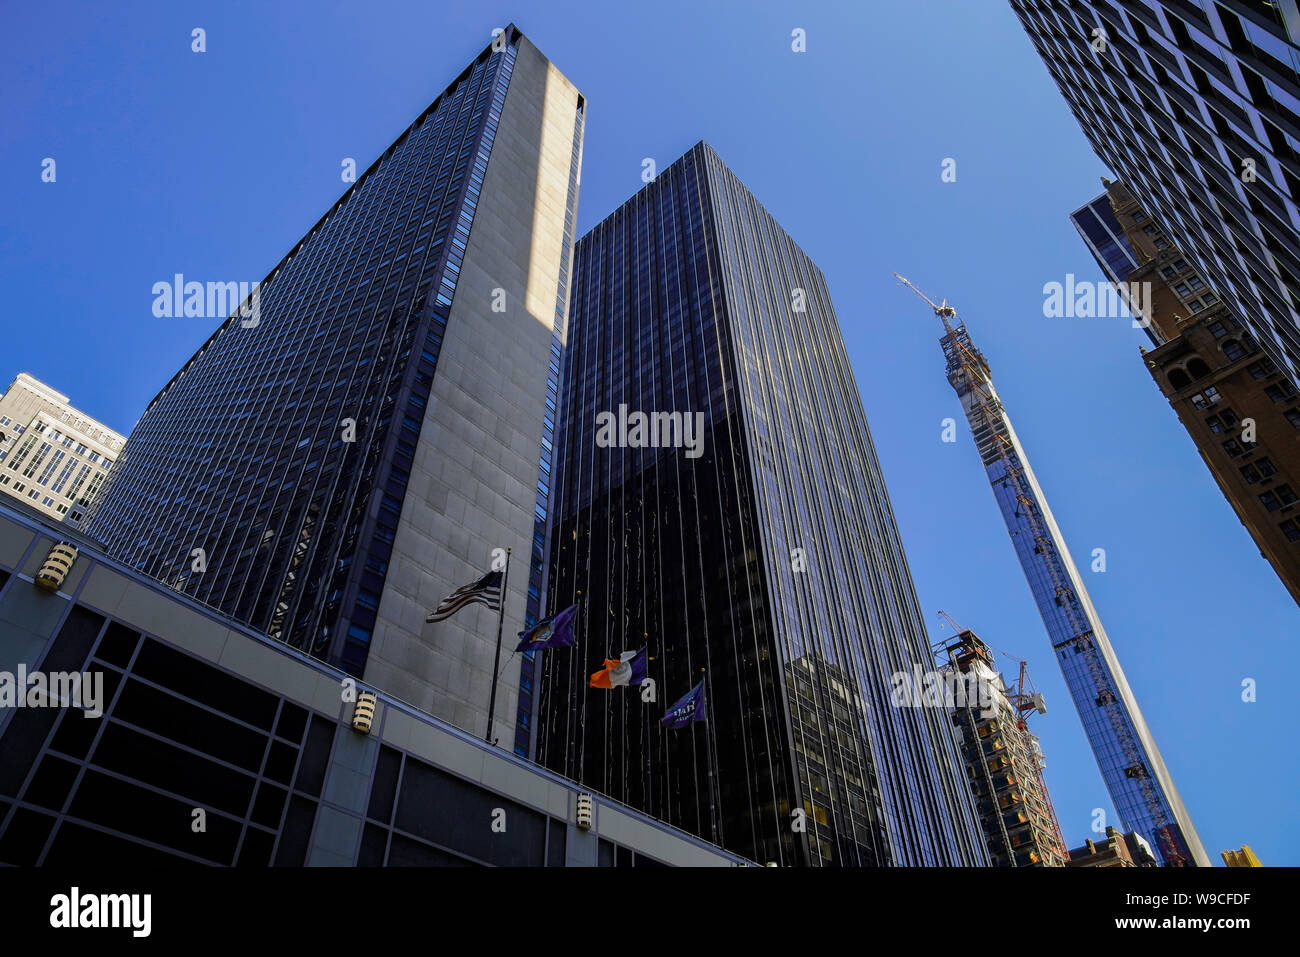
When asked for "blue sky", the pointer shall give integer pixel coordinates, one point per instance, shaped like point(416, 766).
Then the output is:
point(214, 164)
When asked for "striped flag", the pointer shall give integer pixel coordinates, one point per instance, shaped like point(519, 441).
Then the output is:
point(627, 669)
point(485, 591)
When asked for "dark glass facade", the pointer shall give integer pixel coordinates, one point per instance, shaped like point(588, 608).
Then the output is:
point(176, 734)
point(181, 734)
point(1101, 232)
point(765, 558)
point(1195, 105)
point(243, 453)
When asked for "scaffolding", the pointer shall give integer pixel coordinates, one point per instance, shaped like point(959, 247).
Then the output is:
point(1004, 760)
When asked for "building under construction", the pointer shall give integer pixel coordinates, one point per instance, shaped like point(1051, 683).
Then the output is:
point(1004, 761)
point(1139, 784)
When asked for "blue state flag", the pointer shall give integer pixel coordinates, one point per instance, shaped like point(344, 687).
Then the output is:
point(689, 708)
point(553, 632)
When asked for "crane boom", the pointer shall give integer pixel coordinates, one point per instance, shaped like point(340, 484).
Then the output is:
point(942, 309)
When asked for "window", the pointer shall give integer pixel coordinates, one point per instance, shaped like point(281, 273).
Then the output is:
point(1232, 448)
point(1266, 469)
point(1250, 473)
point(1207, 398)
point(1280, 391)
point(1293, 416)
point(1217, 329)
point(1210, 298)
point(1291, 530)
point(1278, 497)
point(1182, 290)
point(1196, 283)
point(1167, 271)
point(1233, 349)
point(1261, 369)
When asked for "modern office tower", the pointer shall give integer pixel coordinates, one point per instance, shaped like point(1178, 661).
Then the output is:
point(1004, 761)
point(52, 456)
point(364, 443)
point(1118, 850)
point(717, 500)
point(197, 711)
point(1240, 408)
point(1196, 107)
point(1140, 785)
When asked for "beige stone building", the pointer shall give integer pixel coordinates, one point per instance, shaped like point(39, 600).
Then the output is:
point(52, 456)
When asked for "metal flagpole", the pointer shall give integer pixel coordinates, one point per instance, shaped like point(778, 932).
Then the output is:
point(645, 733)
point(496, 665)
point(708, 751)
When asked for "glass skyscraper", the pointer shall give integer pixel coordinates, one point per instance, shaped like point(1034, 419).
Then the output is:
point(1195, 105)
point(1136, 777)
point(758, 552)
point(1101, 232)
point(328, 470)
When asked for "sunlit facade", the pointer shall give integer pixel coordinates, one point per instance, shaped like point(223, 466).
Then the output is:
point(368, 443)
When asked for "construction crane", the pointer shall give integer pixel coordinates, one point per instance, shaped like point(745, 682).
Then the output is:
point(944, 311)
point(988, 423)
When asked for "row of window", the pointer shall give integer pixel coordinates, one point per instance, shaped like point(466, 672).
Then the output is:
point(1187, 287)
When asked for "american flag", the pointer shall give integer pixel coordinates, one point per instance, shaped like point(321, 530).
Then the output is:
point(485, 591)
